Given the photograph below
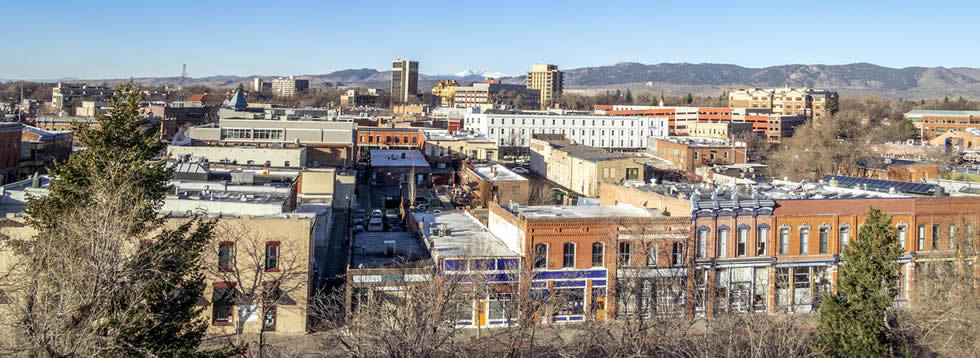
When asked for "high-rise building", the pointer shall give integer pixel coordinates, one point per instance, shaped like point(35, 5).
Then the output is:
point(287, 87)
point(547, 79)
point(404, 80)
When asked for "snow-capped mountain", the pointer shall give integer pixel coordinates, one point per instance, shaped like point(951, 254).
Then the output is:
point(482, 73)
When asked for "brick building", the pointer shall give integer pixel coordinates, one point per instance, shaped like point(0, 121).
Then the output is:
point(686, 120)
point(10, 142)
point(388, 138)
point(40, 149)
point(754, 254)
point(574, 252)
point(494, 182)
point(689, 153)
point(935, 123)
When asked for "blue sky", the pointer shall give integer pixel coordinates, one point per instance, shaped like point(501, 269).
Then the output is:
point(118, 39)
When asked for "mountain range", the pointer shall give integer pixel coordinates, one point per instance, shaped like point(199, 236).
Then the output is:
point(677, 78)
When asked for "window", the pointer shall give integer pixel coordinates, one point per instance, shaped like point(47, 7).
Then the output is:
point(743, 238)
point(275, 134)
point(824, 237)
point(651, 254)
point(677, 256)
point(540, 256)
point(235, 133)
point(597, 253)
point(632, 173)
point(625, 252)
point(568, 255)
point(784, 241)
point(223, 301)
point(952, 237)
point(226, 252)
point(272, 256)
point(935, 236)
point(760, 247)
point(702, 242)
point(723, 242)
point(804, 240)
point(845, 233)
point(902, 229)
point(269, 319)
point(921, 239)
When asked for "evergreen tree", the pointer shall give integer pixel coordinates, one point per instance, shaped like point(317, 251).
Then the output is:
point(148, 304)
point(853, 321)
point(832, 106)
point(689, 99)
point(629, 97)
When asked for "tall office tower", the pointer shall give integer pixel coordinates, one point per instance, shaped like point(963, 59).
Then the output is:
point(547, 79)
point(404, 80)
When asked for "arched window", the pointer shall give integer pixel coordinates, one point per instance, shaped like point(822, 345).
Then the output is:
point(742, 241)
point(824, 232)
point(702, 242)
point(625, 253)
point(540, 256)
point(903, 229)
point(678, 255)
point(845, 234)
point(723, 241)
point(804, 239)
point(761, 236)
point(598, 251)
point(568, 255)
point(651, 254)
point(784, 239)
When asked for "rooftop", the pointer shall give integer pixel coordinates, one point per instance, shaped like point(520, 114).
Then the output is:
point(537, 212)
point(436, 135)
point(935, 112)
point(702, 142)
point(369, 250)
point(594, 154)
point(397, 158)
point(457, 233)
point(496, 172)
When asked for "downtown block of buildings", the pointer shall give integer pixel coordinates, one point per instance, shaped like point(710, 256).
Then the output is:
point(286, 181)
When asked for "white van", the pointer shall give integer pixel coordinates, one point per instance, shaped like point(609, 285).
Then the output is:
point(376, 225)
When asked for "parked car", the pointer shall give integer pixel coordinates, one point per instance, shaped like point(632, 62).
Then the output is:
point(520, 170)
point(375, 225)
point(377, 213)
point(358, 228)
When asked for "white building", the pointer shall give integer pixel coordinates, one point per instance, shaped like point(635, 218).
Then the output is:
point(515, 130)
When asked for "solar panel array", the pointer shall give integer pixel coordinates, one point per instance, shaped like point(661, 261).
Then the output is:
point(882, 185)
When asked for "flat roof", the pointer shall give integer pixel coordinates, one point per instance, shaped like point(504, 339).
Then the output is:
point(397, 158)
point(594, 154)
point(369, 250)
point(466, 235)
point(936, 112)
point(502, 173)
point(583, 211)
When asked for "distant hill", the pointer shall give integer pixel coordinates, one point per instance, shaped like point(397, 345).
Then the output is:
point(702, 78)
